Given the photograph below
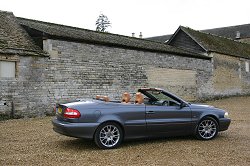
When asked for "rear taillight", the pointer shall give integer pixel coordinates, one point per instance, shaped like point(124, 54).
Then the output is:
point(71, 113)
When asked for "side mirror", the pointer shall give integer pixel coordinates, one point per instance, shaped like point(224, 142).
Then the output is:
point(182, 105)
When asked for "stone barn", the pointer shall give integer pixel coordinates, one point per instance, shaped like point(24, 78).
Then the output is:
point(230, 60)
point(43, 63)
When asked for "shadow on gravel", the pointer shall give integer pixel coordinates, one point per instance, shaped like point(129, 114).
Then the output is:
point(138, 142)
point(82, 144)
point(77, 144)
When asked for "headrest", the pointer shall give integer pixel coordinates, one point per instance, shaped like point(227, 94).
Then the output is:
point(126, 97)
point(139, 99)
point(104, 98)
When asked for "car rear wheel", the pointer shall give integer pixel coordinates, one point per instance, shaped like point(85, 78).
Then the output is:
point(207, 129)
point(108, 135)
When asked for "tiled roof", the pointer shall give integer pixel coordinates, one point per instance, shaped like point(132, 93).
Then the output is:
point(228, 32)
point(14, 39)
point(213, 43)
point(231, 31)
point(63, 32)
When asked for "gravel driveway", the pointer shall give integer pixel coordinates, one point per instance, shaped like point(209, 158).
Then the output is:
point(33, 142)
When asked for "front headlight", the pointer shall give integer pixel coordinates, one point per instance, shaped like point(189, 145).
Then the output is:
point(226, 115)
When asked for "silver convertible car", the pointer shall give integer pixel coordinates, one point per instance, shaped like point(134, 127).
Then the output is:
point(151, 112)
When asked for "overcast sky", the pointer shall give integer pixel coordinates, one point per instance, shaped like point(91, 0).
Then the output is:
point(151, 17)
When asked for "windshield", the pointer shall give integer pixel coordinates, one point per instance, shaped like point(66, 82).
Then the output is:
point(159, 95)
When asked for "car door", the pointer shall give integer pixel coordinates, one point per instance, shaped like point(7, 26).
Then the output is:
point(168, 120)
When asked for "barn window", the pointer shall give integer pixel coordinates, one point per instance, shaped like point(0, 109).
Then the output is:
point(7, 69)
point(247, 66)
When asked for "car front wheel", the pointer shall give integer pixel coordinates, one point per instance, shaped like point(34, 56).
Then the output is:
point(108, 135)
point(207, 129)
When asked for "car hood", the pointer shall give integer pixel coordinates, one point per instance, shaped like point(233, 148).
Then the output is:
point(207, 108)
point(200, 106)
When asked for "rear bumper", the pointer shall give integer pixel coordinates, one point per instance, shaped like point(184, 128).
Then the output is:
point(78, 130)
point(224, 123)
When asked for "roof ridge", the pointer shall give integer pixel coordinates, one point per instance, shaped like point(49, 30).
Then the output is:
point(158, 36)
point(79, 34)
point(219, 44)
point(39, 21)
point(207, 33)
point(6, 12)
point(14, 37)
point(226, 27)
point(77, 28)
point(103, 33)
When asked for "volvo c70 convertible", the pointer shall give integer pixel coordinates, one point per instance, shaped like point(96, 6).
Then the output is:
point(151, 112)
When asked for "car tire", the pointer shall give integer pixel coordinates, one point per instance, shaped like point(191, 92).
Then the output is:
point(207, 128)
point(108, 135)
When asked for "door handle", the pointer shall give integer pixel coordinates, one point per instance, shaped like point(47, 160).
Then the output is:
point(150, 112)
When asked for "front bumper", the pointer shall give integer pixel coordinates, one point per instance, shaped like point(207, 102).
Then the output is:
point(224, 123)
point(78, 130)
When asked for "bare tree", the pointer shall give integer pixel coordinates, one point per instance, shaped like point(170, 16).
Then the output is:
point(102, 23)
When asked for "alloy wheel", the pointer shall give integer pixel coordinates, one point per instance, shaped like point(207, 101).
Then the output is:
point(109, 136)
point(207, 129)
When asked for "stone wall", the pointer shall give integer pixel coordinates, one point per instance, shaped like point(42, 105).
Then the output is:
point(182, 82)
point(230, 76)
point(25, 95)
point(245, 75)
point(77, 70)
point(111, 71)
